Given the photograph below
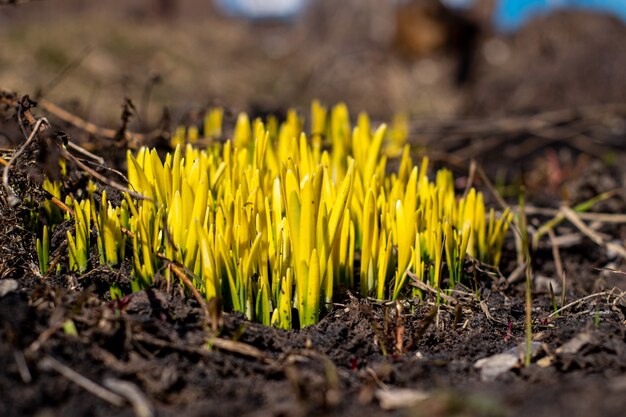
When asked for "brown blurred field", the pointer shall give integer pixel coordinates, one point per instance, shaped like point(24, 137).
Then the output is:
point(89, 56)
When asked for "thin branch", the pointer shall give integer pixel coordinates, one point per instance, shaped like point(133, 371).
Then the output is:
point(573, 217)
point(558, 264)
point(560, 216)
point(240, 348)
point(596, 217)
point(481, 173)
point(580, 301)
point(425, 287)
point(133, 138)
point(517, 274)
point(109, 169)
point(470, 178)
point(22, 367)
point(60, 250)
point(49, 363)
point(183, 277)
point(67, 155)
point(85, 152)
point(13, 199)
point(62, 205)
point(132, 393)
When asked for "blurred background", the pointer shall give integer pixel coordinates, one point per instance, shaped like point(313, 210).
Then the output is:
point(424, 58)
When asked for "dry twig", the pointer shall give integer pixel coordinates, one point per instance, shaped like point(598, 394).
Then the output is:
point(132, 393)
point(49, 363)
point(596, 217)
point(558, 264)
point(573, 217)
point(580, 301)
point(66, 154)
point(13, 199)
point(416, 282)
point(183, 277)
point(240, 348)
point(133, 138)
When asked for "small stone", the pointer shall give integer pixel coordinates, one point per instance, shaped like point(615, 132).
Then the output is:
point(493, 366)
point(7, 286)
point(545, 362)
point(393, 399)
point(575, 344)
point(543, 283)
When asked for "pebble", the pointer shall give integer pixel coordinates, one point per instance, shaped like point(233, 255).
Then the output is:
point(7, 286)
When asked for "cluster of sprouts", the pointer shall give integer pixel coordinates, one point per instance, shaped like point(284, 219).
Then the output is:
point(273, 221)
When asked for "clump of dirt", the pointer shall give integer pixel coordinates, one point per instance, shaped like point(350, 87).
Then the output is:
point(161, 343)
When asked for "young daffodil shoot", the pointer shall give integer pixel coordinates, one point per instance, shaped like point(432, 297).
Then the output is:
point(273, 221)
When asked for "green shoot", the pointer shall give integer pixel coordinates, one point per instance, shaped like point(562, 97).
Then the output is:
point(43, 251)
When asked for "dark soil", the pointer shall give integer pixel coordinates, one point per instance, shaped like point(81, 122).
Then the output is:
point(158, 341)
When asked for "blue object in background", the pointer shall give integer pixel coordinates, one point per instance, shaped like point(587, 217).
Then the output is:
point(510, 15)
point(263, 9)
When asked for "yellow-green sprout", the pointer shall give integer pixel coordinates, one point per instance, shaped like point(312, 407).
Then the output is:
point(274, 220)
point(78, 244)
point(43, 251)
